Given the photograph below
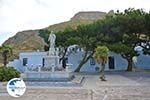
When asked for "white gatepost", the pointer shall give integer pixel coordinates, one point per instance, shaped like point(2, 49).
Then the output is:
point(39, 69)
point(26, 68)
point(67, 67)
point(53, 68)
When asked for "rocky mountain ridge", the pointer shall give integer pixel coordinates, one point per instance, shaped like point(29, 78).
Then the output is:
point(89, 15)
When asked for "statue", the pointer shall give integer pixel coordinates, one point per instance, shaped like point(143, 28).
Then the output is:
point(52, 39)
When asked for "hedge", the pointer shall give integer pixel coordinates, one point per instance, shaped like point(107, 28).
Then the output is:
point(7, 73)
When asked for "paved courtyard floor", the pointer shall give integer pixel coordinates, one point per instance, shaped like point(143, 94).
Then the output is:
point(119, 86)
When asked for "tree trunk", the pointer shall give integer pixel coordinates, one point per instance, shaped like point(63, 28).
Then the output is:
point(5, 59)
point(102, 74)
point(130, 63)
point(64, 54)
point(84, 60)
point(129, 68)
point(80, 66)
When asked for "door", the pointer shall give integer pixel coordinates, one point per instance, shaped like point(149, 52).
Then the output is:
point(111, 62)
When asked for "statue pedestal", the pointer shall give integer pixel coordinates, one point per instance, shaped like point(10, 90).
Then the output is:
point(51, 61)
point(54, 74)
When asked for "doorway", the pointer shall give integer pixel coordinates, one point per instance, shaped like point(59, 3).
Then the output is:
point(111, 62)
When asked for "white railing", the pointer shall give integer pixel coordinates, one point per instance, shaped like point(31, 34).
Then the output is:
point(40, 68)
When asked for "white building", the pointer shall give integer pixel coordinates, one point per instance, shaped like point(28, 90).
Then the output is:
point(116, 62)
point(28, 59)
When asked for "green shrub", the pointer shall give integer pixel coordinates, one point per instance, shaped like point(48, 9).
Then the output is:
point(7, 73)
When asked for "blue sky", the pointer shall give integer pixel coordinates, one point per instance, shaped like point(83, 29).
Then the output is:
point(19, 15)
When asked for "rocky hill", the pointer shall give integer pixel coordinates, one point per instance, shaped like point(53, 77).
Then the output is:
point(29, 40)
point(90, 15)
point(26, 41)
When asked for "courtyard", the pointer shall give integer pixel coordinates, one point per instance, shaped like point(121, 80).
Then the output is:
point(119, 86)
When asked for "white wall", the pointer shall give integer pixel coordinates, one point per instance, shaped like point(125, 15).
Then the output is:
point(34, 58)
point(75, 58)
point(16, 63)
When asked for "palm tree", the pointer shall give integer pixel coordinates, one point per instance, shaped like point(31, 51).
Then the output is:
point(101, 56)
point(5, 51)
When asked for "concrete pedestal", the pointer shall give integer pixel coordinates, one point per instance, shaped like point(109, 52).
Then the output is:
point(50, 61)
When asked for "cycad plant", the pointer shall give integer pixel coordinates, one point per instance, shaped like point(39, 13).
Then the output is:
point(5, 51)
point(101, 56)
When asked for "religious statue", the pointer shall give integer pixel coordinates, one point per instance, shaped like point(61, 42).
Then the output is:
point(52, 39)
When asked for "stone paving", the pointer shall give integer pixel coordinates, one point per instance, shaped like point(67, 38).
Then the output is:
point(119, 86)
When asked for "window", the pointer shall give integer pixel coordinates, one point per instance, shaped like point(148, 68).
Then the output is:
point(79, 49)
point(43, 62)
point(92, 61)
point(25, 61)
